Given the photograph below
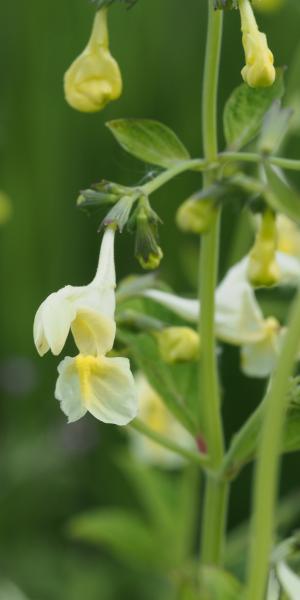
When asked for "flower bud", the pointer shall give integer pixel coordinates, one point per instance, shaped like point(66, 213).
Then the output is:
point(195, 216)
point(178, 344)
point(259, 70)
point(94, 78)
point(267, 5)
point(263, 269)
point(147, 250)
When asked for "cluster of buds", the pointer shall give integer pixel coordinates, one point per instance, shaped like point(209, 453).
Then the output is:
point(94, 78)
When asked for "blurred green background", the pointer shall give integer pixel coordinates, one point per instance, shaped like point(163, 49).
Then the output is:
point(50, 471)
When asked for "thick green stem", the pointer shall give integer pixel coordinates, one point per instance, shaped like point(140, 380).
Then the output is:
point(213, 521)
point(267, 471)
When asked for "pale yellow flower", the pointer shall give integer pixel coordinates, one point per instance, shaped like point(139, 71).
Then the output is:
point(154, 413)
point(94, 78)
point(87, 310)
point(259, 70)
point(288, 236)
point(102, 386)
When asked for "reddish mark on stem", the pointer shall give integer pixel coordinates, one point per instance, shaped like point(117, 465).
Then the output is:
point(201, 444)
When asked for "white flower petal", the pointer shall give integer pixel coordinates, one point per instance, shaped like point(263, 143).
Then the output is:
point(102, 386)
point(68, 390)
point(92, 332)
point(185, 308)
point(113, 397)
point(289, 581)
point(106, 274)
point(52, 323)
point(239, 319)
point(259, 359)
point(289, 269)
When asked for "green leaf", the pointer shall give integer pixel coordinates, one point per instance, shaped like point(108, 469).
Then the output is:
point(124, 533)
point(280, 195)
point(149, 141)
point(245, 109)
point(176, 384)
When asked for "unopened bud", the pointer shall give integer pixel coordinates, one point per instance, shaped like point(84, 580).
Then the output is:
point(267, 5)
point(263, 269)
point(178, 344)
point(196, 215)
point(94, 78)
point(147, 250)
point(259, 70)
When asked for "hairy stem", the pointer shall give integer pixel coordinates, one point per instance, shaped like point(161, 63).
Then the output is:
point(267, 470)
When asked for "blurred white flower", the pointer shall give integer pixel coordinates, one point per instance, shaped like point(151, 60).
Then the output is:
point(102, 386)
point(288, 236)
point(238, 317)
point(87, 310)
point(155, 414)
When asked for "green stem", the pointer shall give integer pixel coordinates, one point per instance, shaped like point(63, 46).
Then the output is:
point(267, 470)
point(193, 457)
point(252, 157)
point(197, 164)
point(213, 522)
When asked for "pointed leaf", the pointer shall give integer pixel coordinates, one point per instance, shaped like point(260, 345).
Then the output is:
point(149, 141)
point(245, 110)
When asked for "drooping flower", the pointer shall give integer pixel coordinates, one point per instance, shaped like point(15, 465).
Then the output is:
point(94, 78)
point(87, 310)
point(102, 386)
point(238, 317)
point(154, 413)
point(259, 70)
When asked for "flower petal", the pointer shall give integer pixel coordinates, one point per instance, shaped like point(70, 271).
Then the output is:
point(92, 332)
point(113, 396)
point(68, 390)
point(239, 319)
point(185, 308)
point(103, 386)
point(259, 359)
point(289, 580)
point(52, 322)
